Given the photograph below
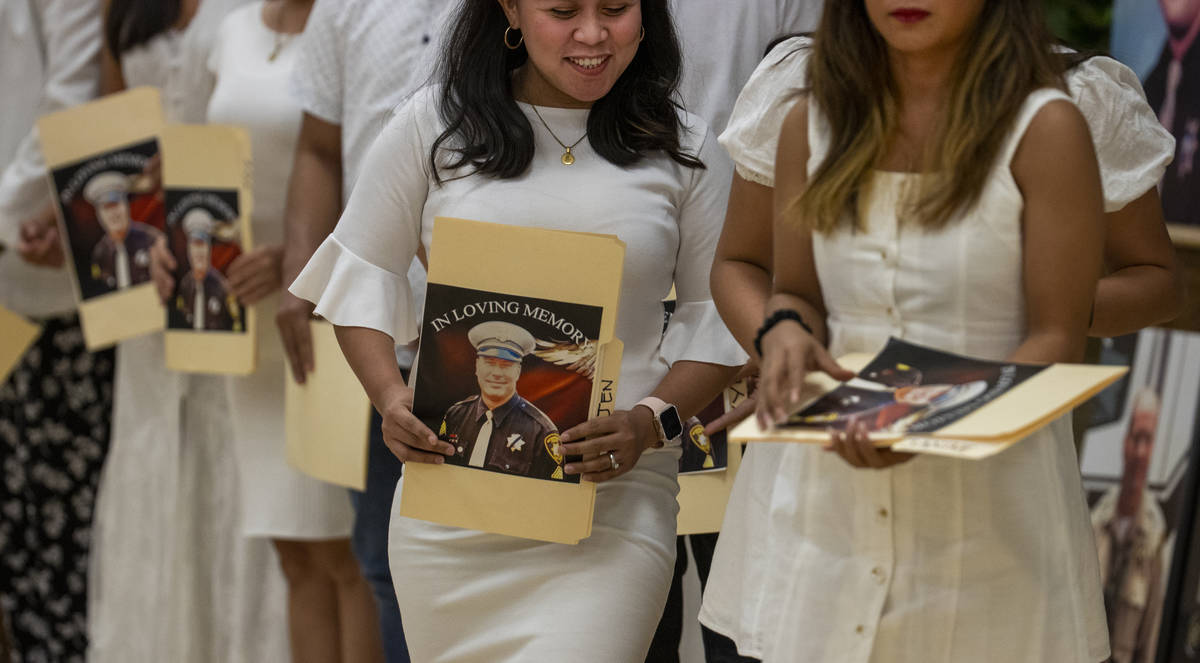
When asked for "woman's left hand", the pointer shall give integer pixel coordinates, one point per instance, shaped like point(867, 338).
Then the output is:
point(626, 434)
point(857, 449)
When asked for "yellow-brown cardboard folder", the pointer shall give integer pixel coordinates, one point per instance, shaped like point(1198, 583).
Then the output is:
point(200, 160)
point(703, 496)
point(16, 335)
point(328, 417)
point(502, 504)
point(984, 433)
point(104, 129)
point(547, 264)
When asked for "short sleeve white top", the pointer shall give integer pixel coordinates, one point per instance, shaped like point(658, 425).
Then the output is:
point(1132, 146)
point(359, 60)
point(668, 215)
point(935, 560)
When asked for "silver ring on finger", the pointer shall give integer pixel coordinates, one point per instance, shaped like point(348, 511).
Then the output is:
point(612, 460)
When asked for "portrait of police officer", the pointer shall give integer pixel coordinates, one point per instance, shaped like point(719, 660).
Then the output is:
point(497, 429)
point(204, 301)
point(122, 257)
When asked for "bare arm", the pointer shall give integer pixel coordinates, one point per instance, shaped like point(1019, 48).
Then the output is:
point(1063, 223)
point(741, 272)
point(372, 356)
point(1142, 286)
point(313, 205)
point(789, 352)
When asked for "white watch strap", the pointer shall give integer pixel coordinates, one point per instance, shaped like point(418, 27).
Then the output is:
point(657, 406)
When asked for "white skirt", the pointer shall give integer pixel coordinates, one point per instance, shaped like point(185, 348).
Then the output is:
point(171, 577)
point(278, 501)
point(470, 597)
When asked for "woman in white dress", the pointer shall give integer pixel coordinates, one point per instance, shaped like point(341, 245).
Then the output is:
point(331, 612)
point(920, 559)
point(522, 80)
point(172, 579)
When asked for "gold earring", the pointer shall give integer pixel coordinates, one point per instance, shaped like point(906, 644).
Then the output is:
point(643, 35)
point(513, 47)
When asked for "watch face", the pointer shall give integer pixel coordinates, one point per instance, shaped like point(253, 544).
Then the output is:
point(672, 426)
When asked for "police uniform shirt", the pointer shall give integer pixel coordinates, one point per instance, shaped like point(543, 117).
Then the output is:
point(221, 310)
point(138, 241)
point(521, 439)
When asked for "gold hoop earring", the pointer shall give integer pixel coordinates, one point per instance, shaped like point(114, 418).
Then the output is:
point(643, 35)
point(513, 47)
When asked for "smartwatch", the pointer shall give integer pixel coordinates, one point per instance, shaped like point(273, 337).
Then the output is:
point(667, 424)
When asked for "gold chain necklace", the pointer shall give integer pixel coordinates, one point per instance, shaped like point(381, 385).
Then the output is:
point(567, 157)
point(281, 38)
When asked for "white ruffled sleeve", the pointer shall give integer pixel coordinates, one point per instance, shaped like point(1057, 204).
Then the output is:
point(1132, 147)
point(696, 331)
point(359, 275)
point(752, 135)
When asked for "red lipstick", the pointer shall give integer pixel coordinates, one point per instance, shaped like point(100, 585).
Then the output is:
point(909, 15)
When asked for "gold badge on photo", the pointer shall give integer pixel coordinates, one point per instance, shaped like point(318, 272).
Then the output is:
point(702, 443)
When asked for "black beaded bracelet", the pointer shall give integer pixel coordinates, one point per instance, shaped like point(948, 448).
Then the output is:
point(774, 319)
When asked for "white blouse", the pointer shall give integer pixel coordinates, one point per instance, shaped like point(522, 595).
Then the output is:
point(1132, 146)
point(668, 215)
point(935, 560)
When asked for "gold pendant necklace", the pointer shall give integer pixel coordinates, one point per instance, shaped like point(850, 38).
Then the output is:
point(281, 38)
point(567, 157)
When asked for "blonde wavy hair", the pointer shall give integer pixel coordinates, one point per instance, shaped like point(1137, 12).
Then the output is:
point(1009, 54)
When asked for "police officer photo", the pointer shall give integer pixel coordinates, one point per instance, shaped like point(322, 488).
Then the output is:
point(498, 429)
point(204, 301)
point(122, 257)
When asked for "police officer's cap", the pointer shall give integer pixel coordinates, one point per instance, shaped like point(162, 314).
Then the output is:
point(198, 223)
point(502, 340)
point(108, 186)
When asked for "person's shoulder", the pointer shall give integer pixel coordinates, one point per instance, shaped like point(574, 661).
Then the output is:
point(531, 411)
point(463, 404)
point(695, 131)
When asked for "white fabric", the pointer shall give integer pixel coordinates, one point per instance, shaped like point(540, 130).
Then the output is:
point(252, 92)
point(168, 561)
point(669, 217)
point(1132, 147)
point(49, 60)
point(935, 560)
point(724, 41)
point(360, 59)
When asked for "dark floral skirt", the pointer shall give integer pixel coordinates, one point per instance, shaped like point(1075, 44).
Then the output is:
point(55, 416)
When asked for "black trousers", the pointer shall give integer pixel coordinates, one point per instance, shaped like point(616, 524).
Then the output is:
point(665, 646)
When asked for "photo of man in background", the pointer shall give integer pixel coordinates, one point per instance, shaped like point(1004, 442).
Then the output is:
point(1173, 90)
point(1130, 531)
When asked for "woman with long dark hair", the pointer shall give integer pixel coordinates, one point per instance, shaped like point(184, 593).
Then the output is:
point(172, 578)
point(933, 182)
point(556, 115)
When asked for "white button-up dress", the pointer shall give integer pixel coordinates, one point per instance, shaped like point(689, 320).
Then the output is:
point(934, 560)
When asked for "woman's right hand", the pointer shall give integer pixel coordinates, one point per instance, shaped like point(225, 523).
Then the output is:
point(405, 435)
point(789, 353)
point(162, 266)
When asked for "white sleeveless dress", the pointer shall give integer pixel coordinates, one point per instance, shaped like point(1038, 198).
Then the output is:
point(935, 560)
point(171, 577)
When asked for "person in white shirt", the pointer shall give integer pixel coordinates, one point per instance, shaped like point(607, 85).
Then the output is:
point(563, 117)
point(55, 406)
point(722, 44)
point(331, 612)
point(793, 482)
point(358, 60)
point(170, 563)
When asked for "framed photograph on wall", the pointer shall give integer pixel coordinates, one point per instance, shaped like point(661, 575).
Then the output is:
point(1158, 40)
point(1137, 465)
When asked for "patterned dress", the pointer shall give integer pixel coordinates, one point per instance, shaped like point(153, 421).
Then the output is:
point(54, 424)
